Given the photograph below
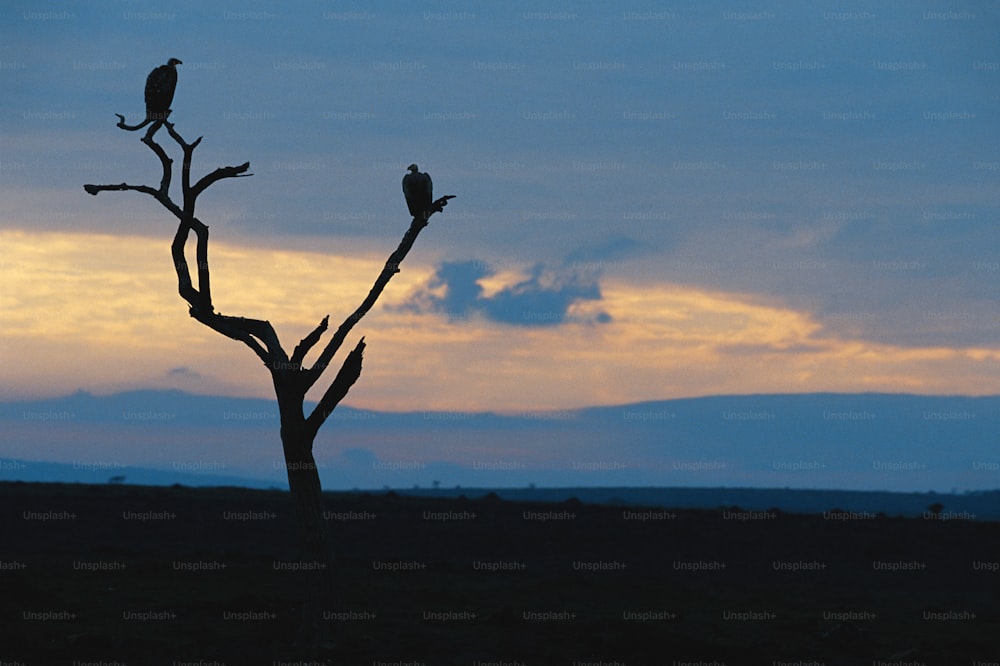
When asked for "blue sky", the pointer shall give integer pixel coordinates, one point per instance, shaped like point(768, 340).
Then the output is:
point(653, 201)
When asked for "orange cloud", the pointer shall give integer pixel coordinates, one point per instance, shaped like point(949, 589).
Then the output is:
point(101, 312)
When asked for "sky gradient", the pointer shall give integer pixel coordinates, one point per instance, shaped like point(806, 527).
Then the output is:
point(652, 203)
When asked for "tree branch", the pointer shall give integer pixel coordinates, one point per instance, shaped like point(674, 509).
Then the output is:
point(219, 174)
point(251, 332)
point(163, 194)
point(177, 137)
point(132, 128)
point(145, 189)
point(349, 373)
point(184, 286)
point(307, 342)
point(188, 150)
point(391, 268)
point(256, 334)
point(162, 154)
point(201, 257)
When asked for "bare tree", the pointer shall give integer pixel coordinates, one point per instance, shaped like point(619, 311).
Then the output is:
point(291, 375)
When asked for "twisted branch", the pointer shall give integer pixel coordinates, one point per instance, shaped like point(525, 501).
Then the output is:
point(200, 298)
point(290, 377)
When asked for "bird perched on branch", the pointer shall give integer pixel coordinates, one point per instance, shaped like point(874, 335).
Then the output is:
point(418, 190)
point(160, 85)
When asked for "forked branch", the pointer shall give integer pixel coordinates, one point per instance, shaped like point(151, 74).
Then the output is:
point(258, 335)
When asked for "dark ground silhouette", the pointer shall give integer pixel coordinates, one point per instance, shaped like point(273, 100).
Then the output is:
point(176, 575)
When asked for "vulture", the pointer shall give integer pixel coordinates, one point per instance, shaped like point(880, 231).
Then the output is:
point(160, 85)
point(418, 190)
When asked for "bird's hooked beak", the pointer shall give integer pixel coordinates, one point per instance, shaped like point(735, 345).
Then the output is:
point(413, 167)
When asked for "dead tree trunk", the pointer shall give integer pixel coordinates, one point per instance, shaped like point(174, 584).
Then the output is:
point(291, 377)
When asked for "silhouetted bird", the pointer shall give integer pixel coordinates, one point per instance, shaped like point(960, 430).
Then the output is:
point(160, 85)
point(418, 190)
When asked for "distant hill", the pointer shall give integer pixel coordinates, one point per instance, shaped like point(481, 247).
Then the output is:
point(868, 441)
point(34, 471)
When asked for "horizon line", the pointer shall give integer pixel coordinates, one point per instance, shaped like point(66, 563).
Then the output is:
point(502, 413)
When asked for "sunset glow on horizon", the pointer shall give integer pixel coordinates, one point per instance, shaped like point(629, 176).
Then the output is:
point(101, 313)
